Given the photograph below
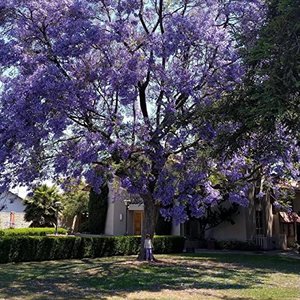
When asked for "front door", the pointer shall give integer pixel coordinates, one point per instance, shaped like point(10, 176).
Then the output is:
point(137, 222)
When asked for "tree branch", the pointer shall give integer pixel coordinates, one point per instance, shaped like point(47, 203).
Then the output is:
point(142, 18)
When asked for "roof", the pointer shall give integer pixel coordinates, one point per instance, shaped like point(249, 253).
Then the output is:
point(289, 217)
point(11, 202)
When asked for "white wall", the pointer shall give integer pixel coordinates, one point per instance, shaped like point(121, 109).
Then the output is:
point(176, 229)
point(19, 221)
point(116, 212)
point(227, 231)
point(115, 225)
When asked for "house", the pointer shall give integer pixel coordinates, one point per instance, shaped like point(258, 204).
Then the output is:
point(125, 213)
point(263, 224)
point(12, 211)
point(260, 222)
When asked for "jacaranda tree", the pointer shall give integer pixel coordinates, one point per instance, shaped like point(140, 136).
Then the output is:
point(120, 87)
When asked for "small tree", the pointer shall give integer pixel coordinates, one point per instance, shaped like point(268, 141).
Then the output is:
point(75, 204)
point(40, 207)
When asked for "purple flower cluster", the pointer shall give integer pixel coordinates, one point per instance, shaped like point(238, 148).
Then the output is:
point(102, 88)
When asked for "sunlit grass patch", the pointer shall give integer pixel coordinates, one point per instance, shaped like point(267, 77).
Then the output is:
point(185, 276)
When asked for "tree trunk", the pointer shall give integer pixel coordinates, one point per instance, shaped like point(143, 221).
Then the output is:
point(202, 228)
point(151, 212)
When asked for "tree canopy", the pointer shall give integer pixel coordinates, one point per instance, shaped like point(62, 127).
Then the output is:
point(75, 200)
point(122, 87)
point(270, 93)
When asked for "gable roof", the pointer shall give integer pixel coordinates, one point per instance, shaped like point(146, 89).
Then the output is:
point(11, 202)
point(289, 217)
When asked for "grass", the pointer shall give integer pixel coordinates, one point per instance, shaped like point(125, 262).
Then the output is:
point(186, 276)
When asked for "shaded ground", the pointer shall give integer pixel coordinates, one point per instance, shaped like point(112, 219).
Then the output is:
point(186, 276)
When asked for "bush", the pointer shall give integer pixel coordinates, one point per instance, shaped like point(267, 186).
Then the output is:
point(126, 245)
point(168, 244)
point(31, 231)
point(37, 248)
point(236, 245)
point(84, 227)
point(163, 227)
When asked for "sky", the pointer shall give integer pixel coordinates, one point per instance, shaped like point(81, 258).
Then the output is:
point(22, 191)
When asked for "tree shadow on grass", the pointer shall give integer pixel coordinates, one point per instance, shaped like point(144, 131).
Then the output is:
point(268, 262)
point(118, 276)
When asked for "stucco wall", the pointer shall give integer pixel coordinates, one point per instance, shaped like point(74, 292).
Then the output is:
point(120, 210)
point(19, 221)
point(109, 225)
point(269, 217)
point(116, 218)
point(12, 203)
point(244, 228)
point(116, 213)
point(176, 229)
point(227, 231)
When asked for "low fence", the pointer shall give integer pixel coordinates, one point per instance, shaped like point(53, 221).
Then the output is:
point(265, 243)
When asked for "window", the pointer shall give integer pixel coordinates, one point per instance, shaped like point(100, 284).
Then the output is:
point(259, 222)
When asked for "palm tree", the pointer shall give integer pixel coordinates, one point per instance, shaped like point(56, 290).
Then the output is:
point(41, 208)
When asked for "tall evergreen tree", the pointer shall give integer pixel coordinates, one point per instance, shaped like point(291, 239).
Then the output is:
point(97, 209)
point(269, 96)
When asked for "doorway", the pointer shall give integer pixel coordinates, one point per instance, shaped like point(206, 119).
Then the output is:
point(137, 222)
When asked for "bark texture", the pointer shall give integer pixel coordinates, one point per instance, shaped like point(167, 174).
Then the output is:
point(151, 212)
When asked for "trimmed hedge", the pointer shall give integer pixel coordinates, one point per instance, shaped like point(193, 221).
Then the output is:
point(31, 231)
point(236, 245)
point(168, 244)
point(38, 248)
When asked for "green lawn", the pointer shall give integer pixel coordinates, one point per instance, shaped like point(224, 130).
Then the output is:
point(189, 276)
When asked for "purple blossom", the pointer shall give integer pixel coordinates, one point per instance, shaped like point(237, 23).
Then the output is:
point(239, 198)
point(260, 195)
point(98, 90)
point(126, 183)
point(95, 179)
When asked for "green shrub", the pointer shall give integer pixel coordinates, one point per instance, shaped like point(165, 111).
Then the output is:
point(84, 227)
point(30, 231)
point(236, 245)
point(168, 244)
point(163, 227)
point(127, 245)
point(38, 248)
